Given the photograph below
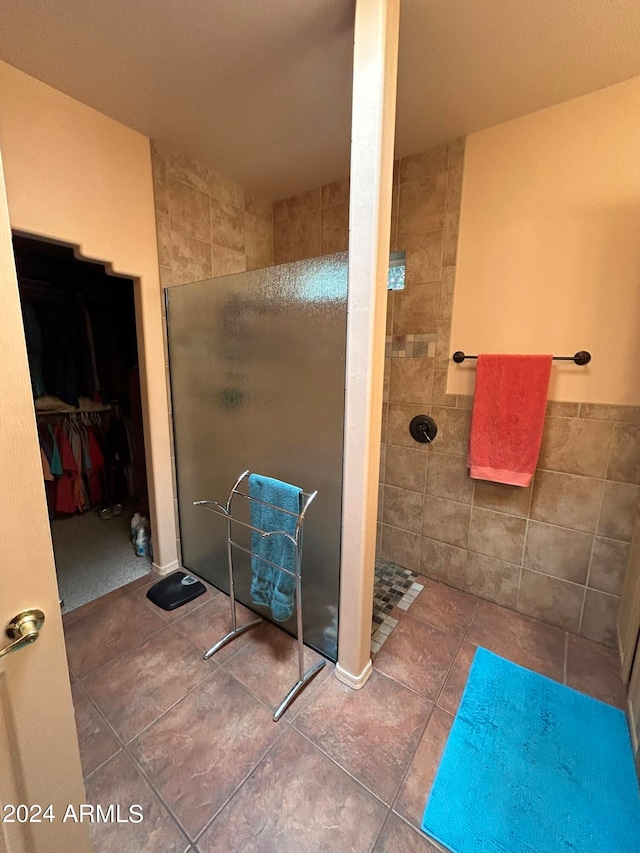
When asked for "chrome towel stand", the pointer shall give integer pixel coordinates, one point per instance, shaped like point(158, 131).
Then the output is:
point(303, 677)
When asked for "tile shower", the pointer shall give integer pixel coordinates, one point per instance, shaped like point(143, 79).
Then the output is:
point(557, 550)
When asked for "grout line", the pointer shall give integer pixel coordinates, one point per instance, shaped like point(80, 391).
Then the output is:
point(127, 743)
point(156, 792)
point(287, 717)
point(123, 748)
point(524, 547)
point(582, 606)
point(535, 520)
point(473, 492)
point(216, 593)
point(424, 621)
point(435, 449)
point(433, 841)
point(411, 760)
point(593, 541)
point(531, 489)
point(316, 747)
point(126, 747)
point(122, 654)
point(410, 234)
point(344, 769)
point(521, 570)
point(424, 483)
point(106, 761)
point(201, 832)
point(170, 708)
point(380, 831)
point(473, 618)
point(406, 686)
point(444, 680)
point(466, 544)
point(524, 541)
point(109, 728)
point(410, 763)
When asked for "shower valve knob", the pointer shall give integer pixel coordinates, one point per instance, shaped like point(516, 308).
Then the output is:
point(423, 429)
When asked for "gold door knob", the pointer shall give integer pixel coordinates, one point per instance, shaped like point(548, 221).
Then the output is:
point(23, 629)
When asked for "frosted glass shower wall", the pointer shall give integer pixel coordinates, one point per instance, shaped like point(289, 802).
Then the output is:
point(257, 364)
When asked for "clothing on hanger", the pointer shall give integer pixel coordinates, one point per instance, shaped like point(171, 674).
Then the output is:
point(85, 459)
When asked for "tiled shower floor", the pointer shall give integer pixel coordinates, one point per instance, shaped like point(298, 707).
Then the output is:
point(192, 741)
point(394, 586)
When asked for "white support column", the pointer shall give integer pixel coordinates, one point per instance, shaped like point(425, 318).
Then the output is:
point(372, 136)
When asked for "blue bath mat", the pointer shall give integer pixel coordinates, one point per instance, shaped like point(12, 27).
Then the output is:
point(532, 766)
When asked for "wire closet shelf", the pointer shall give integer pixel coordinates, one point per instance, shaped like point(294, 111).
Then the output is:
point(296, 539)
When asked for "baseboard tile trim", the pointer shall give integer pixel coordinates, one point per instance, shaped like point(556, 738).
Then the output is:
point(356, 682)
point(165, 570)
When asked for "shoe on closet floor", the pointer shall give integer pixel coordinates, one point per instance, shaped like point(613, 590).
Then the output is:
point(118, 509)
point(105, 513)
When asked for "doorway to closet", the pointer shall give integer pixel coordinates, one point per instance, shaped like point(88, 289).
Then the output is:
point(80, 329)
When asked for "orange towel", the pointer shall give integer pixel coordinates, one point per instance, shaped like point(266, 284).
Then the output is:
point(508, 417)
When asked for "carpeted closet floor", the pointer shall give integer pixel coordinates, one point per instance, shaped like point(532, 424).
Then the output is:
point(94, 556)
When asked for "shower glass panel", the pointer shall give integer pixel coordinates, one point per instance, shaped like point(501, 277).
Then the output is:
point(257, 363)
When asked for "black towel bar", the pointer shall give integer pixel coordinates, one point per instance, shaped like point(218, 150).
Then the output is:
point(582, 357)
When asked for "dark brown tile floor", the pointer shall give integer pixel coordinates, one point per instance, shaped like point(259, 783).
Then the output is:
point(193, 742)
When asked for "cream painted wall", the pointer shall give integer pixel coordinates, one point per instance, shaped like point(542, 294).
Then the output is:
point(76, 176)
point(549, 250)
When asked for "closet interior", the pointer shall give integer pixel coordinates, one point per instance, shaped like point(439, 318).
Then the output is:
point(80, 329)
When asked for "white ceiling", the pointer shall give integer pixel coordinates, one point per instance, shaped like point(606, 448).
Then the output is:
point(260, 90)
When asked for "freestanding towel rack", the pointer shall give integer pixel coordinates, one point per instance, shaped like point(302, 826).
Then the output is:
point(296, 539)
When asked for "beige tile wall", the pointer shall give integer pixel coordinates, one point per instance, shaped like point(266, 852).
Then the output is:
point(557, 550)
point(312, 223)
point(207, 226)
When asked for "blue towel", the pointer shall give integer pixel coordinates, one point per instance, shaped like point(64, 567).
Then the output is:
point(269, 586)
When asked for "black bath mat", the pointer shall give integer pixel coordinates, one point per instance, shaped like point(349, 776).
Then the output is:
point(175, 590)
